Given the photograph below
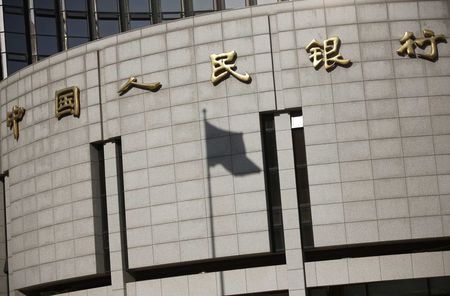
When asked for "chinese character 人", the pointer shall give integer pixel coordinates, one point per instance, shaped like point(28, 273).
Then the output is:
point(326, 53)
point(13, 118)
point(410, 42)
point(67, 102)
point(132, 82)
point(223, 65)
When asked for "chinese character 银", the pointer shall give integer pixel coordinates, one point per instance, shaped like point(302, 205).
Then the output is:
point(132, 82)
point(13, 118)
point(410, 42)
point(223, 65)
point(326, 53)
point(67, 102)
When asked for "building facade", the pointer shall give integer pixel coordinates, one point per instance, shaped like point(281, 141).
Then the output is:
point(294, 148)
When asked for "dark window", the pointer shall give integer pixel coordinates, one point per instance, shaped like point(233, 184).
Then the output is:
point(200, 6)
point(230, 4)
point(18, 52)
point(301, 177)
point(108, 17)
point(47, 27)
point(140, 13)
point(272, 182)
point(77, 23)
point(170, 9)
point(439, 286)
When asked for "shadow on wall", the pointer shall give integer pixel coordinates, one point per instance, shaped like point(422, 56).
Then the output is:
point(218, 150)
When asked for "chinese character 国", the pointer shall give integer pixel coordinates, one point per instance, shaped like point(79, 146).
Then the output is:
point(132, 82)
point(67, 102)
point(13, 118)
point(410, 42)
point(326, 53)
point(223, 65)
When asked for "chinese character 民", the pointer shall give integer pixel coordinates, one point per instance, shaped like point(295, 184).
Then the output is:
point(410, 42)
point(132, 82)
point(13, 118)
point(326, 53)
point(223, 65)
point(67, 102)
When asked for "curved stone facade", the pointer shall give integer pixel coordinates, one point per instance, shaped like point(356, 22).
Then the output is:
point(190, 155)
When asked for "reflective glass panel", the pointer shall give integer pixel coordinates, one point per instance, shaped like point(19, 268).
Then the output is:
point(47, 45)
point(108, 27)
point(202, 5)
point(107, 6)
point(17, 3)
point(74, 41)
point(16, 43)
point(417, 287)
point(77, 27)
point(234, 4)
point(45, 25)
point(170, 5)
point(138, 5)
point(14, 23)
point(76, 5)
point(14, 66)
point(44, 4)
point(440, 286)
point(139, 23)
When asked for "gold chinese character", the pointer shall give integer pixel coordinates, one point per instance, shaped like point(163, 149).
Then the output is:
point(223, 65)
point(410, 42)
point(13, 118)
point(326, 53)
point(67, 102)
point(132, 82)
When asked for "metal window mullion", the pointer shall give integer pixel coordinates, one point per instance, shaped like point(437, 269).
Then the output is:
point(124, 16)
point(93, 19)
point(63, 24)
point(32, 30)
point(3, 45)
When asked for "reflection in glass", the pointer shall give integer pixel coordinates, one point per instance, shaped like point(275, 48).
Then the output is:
point(77, 5)
point(232, 4)
point(107, 27)
point(77, 27)
point(47, 45)
point(202, 5)
point(107, 6)
point(138, 5)
point(14, 23)
point(139, 23)
point(44, 4)
point(46, 25)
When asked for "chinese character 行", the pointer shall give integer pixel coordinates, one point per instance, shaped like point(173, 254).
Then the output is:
point(223, 65)
point(13, 118)
point(410, 42)
point(132, 82)
point(326, 53)
point(67, 102)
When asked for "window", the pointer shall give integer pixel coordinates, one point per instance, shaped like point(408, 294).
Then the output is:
point(140, 13)
point(201, 6)
point(272, 182)
point(18, 53)
point(232, 4)
point(48, 34)
point(171, 9)
point(77, 22)
point(301, 177)
point(439, 286)
point(108, 17)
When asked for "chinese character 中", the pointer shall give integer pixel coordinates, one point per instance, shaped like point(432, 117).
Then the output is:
point(223, 65)
point(326, 53)
point(13, 118)
point(67, 102)
point(132, 82)
point(410, 42)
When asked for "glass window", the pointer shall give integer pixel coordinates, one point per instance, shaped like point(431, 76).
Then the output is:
point(47, 45)
point(107, 6)
point(75, 41)
point(77, 27)
point(170, 5)
point(15, 43)
point(14, 23)
point(138, 5)
point(14, 66)
point(230, 4)
point(440, 286)
point(417, 287)
point(16, 3)
point(76, 5)
point(45, 25)
point(108, 27)
point(44, 4)
point(202, 5)
point(139, 23)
